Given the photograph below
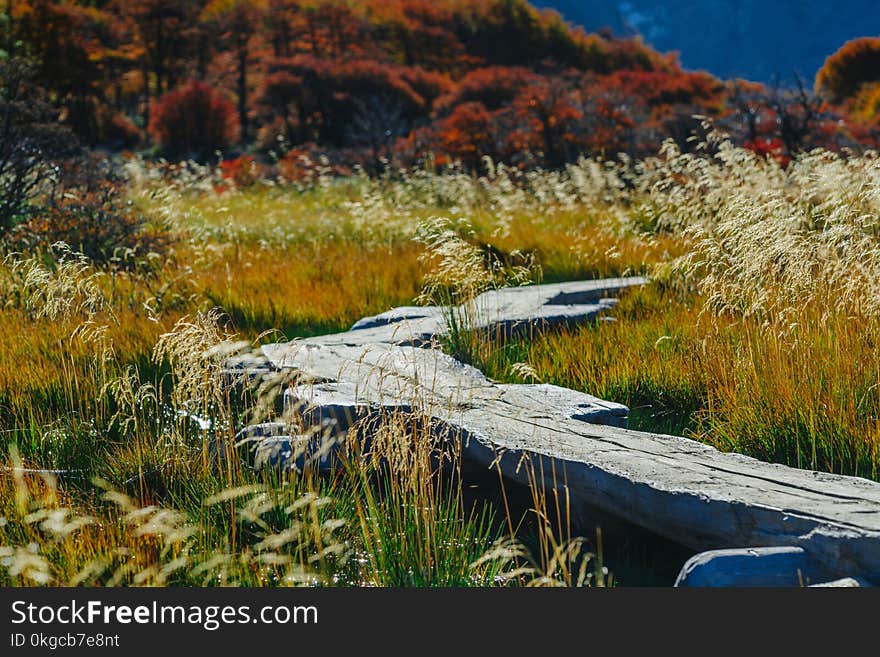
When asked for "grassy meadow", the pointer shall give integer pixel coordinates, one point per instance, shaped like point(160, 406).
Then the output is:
point(759, 332)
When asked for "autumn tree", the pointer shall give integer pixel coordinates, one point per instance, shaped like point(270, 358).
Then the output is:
point(493, 86)
point(61, 40)
point(193, 121)
point(664, 89)
point(79, 54)
point(467, 135)
point(553, 110)
point(515, 33)
point(236, 23)
point(418, 33)
point(373, 78)
point(168, 39)
point(280, 23)
point(280, 100)
point(856, 63)
point(335, 29)
point(325, 94)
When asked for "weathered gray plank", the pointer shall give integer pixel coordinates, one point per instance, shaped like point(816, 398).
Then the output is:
point(678, 488)
point(503, 310)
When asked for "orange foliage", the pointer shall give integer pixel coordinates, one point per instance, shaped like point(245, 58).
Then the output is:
point(844, 72)
point(866, 105)
point(493, 86)
point(466, 134)
point(663, 88)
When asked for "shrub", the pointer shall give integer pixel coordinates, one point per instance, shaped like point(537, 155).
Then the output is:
point(242, 171)
point(495, 87)
point(115, 130)
point(664, 88)
point(468, 134)
point(844, 72)
point(193, 121)
point(32, 142)
point(321, 99)
point(97, 222)
point(430, 85)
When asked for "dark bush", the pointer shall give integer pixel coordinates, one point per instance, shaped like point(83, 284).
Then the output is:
point(115, 130)
point(95, 219)
point(33, 143)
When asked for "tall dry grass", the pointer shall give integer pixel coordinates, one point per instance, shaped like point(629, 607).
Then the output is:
point(760, 334)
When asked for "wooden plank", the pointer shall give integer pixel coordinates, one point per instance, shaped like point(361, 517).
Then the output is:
point(507, 309)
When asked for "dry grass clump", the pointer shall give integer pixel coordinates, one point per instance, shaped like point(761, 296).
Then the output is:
point(768, 241)
point(69, 288)
point(760, 334)
point(254, 534)
point(804, 396)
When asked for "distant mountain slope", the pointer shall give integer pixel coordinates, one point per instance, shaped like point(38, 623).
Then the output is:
point(755, 39)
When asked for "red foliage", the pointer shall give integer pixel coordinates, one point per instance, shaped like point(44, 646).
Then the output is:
point(523, 117)
point(550, 114)
point(193, 121)
point(663, 88)
point(611, 127)
point(318, 98)
point(296, 165)
point(356, 78)
point(867, 135)
point(466, 135)
point(430, 85)
point(364, 78)
point(242, 171)
point(769, 147)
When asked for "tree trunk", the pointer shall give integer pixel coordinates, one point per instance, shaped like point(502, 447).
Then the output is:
point(242, 87)
point(10, 39)
point(202, 56)
point(146, 74)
